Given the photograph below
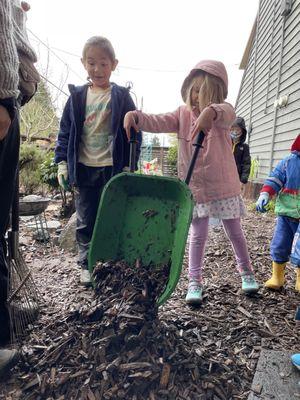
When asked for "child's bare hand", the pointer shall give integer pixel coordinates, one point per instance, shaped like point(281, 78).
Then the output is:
point(196, 128)
point(130, 122)
point(25, 6)
point(203, 122)
point(5, 122)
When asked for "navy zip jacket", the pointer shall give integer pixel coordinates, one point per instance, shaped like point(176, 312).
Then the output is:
point(71, 128)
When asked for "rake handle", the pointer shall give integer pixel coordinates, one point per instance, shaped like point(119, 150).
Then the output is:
point(13, 234)
point(15, 205)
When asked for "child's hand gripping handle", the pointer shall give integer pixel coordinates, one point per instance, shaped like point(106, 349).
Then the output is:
point(198, 145)
point(132, 144)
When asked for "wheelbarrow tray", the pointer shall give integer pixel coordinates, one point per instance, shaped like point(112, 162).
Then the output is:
point(146, 218)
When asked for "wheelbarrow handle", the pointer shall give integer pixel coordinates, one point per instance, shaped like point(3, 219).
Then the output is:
point(132, 154)
point(198, 145)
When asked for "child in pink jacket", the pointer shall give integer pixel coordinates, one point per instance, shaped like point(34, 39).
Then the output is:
point(215, 182)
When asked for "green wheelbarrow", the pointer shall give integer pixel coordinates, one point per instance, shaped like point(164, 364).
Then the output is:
point(145, 218)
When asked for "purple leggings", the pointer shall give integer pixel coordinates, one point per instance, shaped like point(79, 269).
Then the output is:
point(198, 237)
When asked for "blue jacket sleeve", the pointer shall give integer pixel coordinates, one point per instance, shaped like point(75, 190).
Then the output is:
point(277, 179)
point(61, 148)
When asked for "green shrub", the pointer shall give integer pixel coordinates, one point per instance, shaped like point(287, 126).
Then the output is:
point(172, 158)
point(31, 157)
point(48, 171)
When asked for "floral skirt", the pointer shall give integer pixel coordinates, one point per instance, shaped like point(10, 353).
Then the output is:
point(230, 208)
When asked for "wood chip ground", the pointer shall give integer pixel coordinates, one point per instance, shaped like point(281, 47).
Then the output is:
point(90, 348)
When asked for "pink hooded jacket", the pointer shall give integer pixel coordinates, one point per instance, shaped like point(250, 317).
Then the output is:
point(215, 175)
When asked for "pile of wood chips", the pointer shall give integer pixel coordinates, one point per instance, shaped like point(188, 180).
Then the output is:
point(115, 347)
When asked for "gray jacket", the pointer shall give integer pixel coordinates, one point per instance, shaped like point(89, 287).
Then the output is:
point(13, 37)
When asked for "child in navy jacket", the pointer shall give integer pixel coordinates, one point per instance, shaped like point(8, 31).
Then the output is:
point(92, 145)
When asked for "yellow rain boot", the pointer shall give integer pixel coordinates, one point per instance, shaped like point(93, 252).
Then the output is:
point(277, 280)
point(297, 287)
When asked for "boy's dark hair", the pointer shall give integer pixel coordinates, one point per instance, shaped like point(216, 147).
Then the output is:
point(101, 42)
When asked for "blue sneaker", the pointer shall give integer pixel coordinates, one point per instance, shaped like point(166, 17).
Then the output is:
point(194, 294)
point(249, 284)
point(296, 360)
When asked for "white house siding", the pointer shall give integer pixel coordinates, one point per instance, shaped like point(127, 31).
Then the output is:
point(272, 71)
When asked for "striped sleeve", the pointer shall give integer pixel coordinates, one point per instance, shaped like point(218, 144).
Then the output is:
point(9, 63)
point(277, 179)
point(20, 33)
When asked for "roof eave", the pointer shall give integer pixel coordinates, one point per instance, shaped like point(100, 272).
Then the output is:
point(247, 50)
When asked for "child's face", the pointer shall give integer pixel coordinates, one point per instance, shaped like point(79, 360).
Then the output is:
point(195, 91)
point(99, 66)
point(237, 130)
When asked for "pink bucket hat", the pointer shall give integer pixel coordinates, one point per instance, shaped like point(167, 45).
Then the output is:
point(216, 68)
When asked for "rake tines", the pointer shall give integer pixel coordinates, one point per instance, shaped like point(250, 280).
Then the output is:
point(22, 292)
point(23, 297)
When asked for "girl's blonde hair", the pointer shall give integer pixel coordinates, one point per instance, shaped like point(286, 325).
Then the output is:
point(101, 42)
point(212, 90)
